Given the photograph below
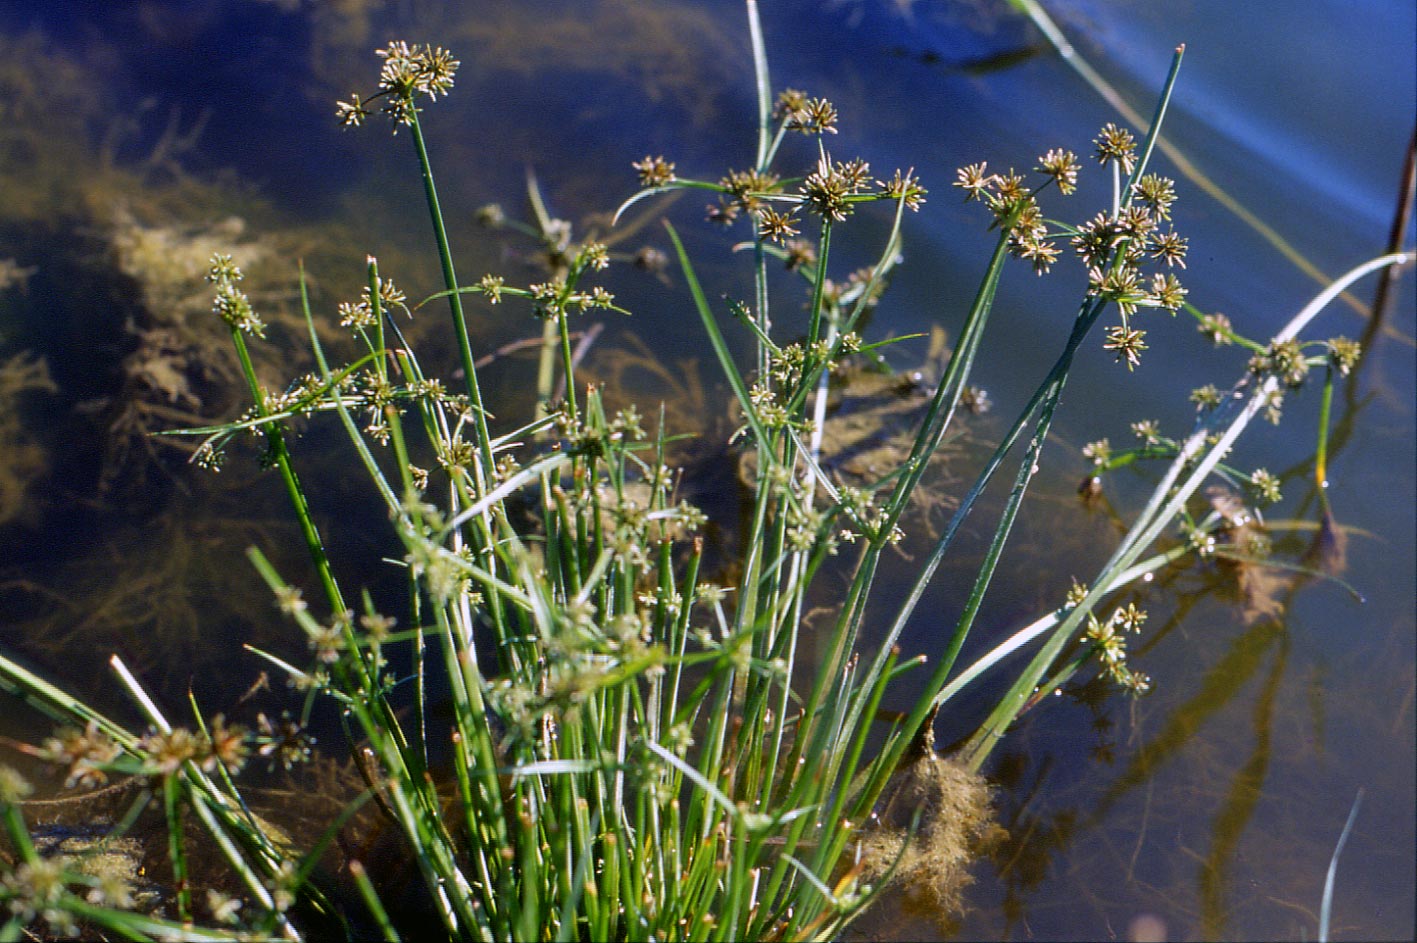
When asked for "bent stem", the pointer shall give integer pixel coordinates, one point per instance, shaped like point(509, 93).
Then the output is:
point(1198, 456)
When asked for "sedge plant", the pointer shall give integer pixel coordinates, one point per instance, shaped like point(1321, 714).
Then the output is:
point(633, 753)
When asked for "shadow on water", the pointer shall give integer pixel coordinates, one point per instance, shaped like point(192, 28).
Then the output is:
point(1208, 808)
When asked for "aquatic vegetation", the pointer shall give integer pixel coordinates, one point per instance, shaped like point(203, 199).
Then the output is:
point(934, 819)
point(14, 274)
point(178, 580)
point(23, 459)
point(636, 746)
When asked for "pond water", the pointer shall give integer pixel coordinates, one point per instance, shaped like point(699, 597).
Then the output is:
point(138, 136)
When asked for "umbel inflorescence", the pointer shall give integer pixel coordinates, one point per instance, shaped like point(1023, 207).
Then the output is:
point(409, 70)
point(1114, 246)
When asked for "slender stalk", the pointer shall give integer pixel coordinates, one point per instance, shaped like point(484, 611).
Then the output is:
point(171, 798)
point(371, 900)
point(450, 280)
point(1035, 11)
point(762, 85)
point(1201, 452)
point(1326, 906)
point(281, 455)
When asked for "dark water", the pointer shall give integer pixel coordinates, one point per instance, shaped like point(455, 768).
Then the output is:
point(1210, 806)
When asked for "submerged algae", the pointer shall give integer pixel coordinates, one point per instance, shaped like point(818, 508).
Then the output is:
point(23, 459)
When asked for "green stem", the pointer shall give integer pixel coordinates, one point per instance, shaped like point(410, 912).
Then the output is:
point(372, 901)
point(450, 279)
point(761, 82)
point(567, 361)
point(171, 803)
point(814, 328)
point(281, 455)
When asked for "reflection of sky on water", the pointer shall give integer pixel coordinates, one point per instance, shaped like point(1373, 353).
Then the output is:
point(1227, 786)
point(1312, 90)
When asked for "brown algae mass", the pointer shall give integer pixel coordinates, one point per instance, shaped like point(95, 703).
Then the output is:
point(937, 814)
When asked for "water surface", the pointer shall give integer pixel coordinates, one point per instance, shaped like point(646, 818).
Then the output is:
point(1209, 807)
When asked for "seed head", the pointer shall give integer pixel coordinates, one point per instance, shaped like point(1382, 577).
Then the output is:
point(789, 101)
point(1135, 221)
point(800, 253)
point(1011, 189)
point(416, 68)
point(351, 114)
point(1127, 342)
point(1217, 327)
point(1170, 248)
point(1122, 287)
point(1166, 292)
point(13, 786)
point(229, 744)
point(654, 171)
point(826, 189)
point(1284, 360)
point(779, 227)
point(1344, 354)
point(813, 116)
point(1157, 193)
point(1116, 144)
point(1063, 167)
point(1265, 485)
point(166, 752)
point(974, 181)
point(1148, 430)
point(722, 213)
point(1095, 239)
point(1099, 451)
point(86, 752)
point(491, 286)
point(906, 189)
point(1205, 397)
point(284, 741)
point(1030, 244)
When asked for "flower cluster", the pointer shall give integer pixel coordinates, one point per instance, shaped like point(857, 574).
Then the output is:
point(598, 435)
point(1217, 327)
point(555, 298)
point(654, 171)
point(830, 190)
point(1265, 485)
point(231, 303)
point(36, 889)
point(89, 755)
point(1116, 145)
point(1112, 246)
point(904, 188)
point(1283, 360)
point(747, 190)
point(409, 70)
point(166, 752)
point(1344, 354)
point(1109, 640)
point(283, 741)
point(561, 294)
point(1288, 363)
point(863, 515)
point(833, 188)
point(364, 314)
point(805, 115)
